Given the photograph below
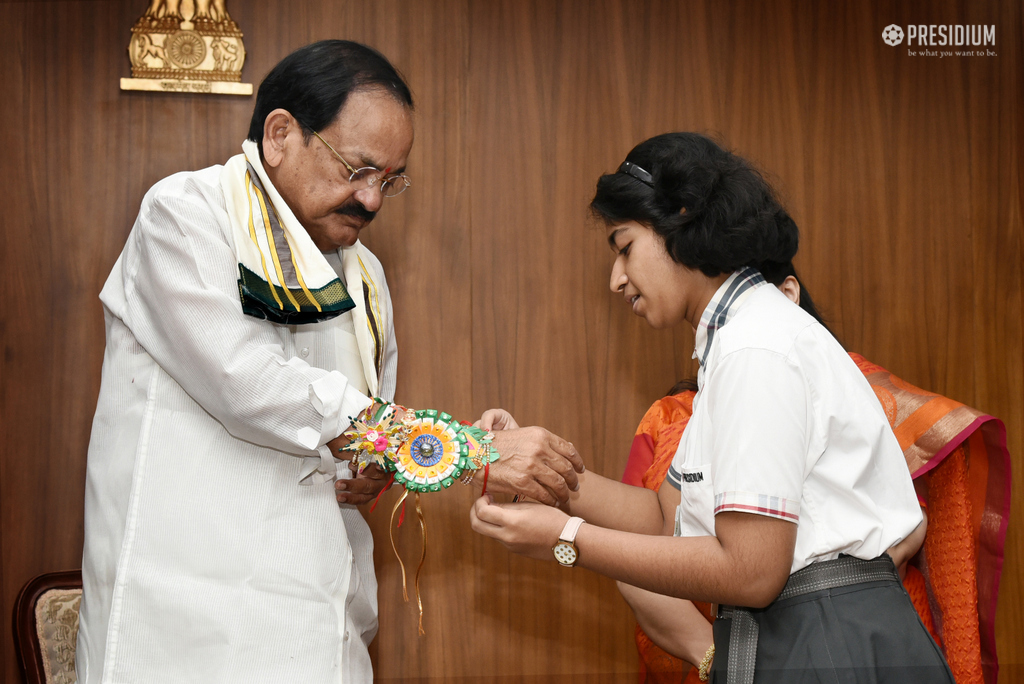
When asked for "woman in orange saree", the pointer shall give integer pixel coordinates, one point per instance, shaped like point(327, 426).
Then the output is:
point(957, 456)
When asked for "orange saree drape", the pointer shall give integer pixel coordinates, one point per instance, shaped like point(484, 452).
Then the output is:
point(954, 580)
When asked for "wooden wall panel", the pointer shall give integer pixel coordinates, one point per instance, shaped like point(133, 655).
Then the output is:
point(904, 174)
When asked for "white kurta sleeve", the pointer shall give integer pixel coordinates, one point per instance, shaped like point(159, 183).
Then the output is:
point(180, 299)
point(760, 411)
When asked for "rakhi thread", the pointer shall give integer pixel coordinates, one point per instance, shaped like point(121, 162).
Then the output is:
point(423, 559)
point(391, 533)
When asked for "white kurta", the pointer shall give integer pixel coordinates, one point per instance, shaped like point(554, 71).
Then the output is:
point(206, 559)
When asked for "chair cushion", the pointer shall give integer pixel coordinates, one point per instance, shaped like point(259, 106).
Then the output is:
point(57, 626)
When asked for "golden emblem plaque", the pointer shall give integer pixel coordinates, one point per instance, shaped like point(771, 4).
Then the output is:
point(187, 46)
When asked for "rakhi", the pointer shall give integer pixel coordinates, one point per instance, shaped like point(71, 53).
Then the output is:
point(425, 451)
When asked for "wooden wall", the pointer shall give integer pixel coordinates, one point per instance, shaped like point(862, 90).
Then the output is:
point(903, 172)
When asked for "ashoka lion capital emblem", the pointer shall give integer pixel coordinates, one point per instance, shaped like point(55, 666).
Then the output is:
point(187, 46)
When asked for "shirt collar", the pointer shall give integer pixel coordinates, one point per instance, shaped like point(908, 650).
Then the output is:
point(727, 300)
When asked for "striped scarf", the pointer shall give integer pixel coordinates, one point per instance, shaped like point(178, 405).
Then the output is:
point(283, 277)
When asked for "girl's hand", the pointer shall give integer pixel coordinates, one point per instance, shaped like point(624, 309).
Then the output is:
point(906, 549)
point(496, 419)
point(524, 528)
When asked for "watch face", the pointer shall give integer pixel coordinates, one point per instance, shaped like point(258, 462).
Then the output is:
point(565, 553)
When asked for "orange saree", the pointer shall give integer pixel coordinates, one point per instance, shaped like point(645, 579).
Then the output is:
point(960, 453)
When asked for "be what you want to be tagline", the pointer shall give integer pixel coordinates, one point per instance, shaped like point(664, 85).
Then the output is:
point(944, 40)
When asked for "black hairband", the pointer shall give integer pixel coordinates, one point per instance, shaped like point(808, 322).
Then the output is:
point(631, 169)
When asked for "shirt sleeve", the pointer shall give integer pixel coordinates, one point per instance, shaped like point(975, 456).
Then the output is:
point(760, 411)
point(181, 301)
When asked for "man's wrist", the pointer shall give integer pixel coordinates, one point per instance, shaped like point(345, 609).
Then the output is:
point(370, 411)
point(343, 440)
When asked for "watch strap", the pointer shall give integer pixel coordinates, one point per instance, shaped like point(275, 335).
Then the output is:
point(572, 527)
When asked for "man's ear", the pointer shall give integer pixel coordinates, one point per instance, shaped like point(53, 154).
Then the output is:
point(277, 128)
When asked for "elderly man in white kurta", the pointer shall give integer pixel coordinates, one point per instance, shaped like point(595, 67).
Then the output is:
point(246, 324)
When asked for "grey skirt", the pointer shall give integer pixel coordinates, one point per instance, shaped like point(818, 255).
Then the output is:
point(823, 629)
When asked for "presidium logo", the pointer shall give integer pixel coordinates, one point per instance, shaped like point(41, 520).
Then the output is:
point(956, 37)
point(892, 35)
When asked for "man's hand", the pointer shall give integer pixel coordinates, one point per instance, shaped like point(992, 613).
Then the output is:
point(534, 463)
point(362, 488)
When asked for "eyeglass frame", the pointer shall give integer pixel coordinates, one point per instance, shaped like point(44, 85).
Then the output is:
point(383, 177)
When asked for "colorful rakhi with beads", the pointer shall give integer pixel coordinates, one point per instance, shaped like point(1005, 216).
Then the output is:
point(424, 451)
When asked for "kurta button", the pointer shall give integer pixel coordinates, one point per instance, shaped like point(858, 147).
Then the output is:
point(305, 352)
point(346, 635)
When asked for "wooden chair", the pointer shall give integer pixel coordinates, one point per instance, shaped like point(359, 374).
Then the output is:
point(46, 627)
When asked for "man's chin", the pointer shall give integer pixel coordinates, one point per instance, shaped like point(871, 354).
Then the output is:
point(336, 238)
point(349, 237)
point(348, 234)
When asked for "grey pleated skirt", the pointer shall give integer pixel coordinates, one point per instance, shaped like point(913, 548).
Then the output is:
point(867, 633)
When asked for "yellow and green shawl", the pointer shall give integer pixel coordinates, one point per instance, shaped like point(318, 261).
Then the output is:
point(283, 277)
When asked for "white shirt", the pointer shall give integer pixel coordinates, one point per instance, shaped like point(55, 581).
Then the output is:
point(784, 424)
point(205, 558)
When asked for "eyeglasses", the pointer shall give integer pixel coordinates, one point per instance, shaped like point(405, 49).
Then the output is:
point(368, 176)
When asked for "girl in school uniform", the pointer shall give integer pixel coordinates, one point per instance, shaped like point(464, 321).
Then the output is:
point(788, 485)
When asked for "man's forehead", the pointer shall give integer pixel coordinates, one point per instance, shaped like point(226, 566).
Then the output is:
point(372, 129)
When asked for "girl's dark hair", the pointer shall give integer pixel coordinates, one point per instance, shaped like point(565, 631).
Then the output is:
point(714, 210)
point(314, 82)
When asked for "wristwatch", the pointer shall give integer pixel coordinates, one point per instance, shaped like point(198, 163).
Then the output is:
point(565, 550)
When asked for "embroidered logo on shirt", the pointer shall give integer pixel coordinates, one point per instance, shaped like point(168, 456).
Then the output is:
point(677, 478)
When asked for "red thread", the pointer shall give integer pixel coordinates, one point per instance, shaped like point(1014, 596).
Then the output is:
point(487, 469)
point(401, 518)
point(386, 488)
